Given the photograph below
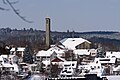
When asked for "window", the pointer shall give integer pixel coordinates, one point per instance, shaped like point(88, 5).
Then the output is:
point(68, 71)
point(47, 21)
point(13, 68)
point(94, 66)
point(98, 67)
point(72, 64)
point(104, 59)
point(64, 71)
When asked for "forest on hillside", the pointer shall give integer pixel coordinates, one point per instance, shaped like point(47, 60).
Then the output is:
point(36, 38)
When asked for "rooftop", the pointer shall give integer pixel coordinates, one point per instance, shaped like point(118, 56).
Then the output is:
point(71, 43)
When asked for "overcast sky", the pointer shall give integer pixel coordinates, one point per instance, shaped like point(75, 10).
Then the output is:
point(77, 15)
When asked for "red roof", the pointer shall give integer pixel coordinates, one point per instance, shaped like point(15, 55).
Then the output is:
point(57, 60)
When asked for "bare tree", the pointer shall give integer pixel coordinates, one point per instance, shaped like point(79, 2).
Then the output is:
point(16, 11)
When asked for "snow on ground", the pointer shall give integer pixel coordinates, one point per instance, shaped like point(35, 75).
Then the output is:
point(113, 77)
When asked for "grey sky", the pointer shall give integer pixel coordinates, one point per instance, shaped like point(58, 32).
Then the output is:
point(78, 15)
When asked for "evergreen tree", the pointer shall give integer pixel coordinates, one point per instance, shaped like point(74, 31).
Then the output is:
point(28, 55)
point(100, 53)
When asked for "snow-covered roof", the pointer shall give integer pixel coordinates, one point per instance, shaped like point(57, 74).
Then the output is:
point(59, 46)
point(4, 56)
point(7, 65)
point(11, 56)
point(44, 53)
point(116, 68)
point(56, 49)
point(50, 51)
point(59, 51)
point(71, 43)
point(18, 49)
point(82, 52)
point(61, 58)
point(106, 60)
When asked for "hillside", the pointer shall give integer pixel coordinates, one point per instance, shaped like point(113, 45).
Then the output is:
point(110, 40)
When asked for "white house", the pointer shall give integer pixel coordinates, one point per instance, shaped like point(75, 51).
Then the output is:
point(8, 64)
point(92, 68)
point(68, 68)
point(60, 50)
point(113, 54)
point(43, 55)
point(19, 50)
point(76, 43)
point(107, 60)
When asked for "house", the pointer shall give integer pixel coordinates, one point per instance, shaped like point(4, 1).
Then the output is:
point(59, 49)
point(57, 52)
point(76, 43)
point(43, 55)
point(68, 68)
point(116, 70)
point(91, 68)
point(87, 55)
point(19, 51)
point(48, 57)
point(7, 63)
point(105, 61)
point(114, 55)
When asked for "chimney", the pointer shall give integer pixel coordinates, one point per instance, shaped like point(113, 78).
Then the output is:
point(48, 32)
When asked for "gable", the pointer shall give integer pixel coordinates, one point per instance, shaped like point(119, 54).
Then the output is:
point(57, 60)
